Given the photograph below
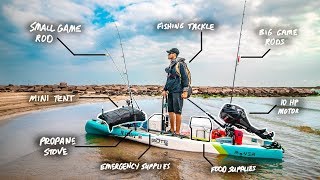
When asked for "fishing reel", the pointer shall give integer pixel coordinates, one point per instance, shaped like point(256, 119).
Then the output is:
point(229, 130)
point(128, 101)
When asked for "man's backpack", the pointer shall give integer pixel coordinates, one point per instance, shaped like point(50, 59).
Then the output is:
point(181, 62)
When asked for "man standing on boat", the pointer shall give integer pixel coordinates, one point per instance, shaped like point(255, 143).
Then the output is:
point(176, 88)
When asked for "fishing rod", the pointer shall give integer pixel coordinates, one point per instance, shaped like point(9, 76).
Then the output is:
point(237, 58)
point(117, 67)
point(208, 114)
point(234, 75)
point(125, 65)
point(127, 76)
point(121, 75)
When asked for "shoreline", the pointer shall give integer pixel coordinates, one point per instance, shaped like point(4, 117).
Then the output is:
point(155, 90)
point(16, 104)
point(13, 104)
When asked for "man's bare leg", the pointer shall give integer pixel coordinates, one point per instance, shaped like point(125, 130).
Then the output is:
point(172, 120)
point(178, 123)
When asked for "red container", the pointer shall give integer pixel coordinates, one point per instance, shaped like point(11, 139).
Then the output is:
point(218, 133)
point(238, 137)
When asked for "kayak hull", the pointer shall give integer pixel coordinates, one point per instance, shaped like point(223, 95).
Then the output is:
point(99, 127)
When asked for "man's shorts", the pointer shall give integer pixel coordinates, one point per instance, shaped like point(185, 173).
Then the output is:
point(175, 103)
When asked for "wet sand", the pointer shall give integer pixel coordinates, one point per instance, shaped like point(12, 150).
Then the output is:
point(84, 163)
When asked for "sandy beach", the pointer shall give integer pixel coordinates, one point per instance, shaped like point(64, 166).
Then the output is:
point(17, 103)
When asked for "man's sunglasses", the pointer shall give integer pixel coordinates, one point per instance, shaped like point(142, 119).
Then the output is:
point(170, 53)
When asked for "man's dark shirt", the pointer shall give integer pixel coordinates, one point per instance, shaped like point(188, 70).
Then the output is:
point(174, 83)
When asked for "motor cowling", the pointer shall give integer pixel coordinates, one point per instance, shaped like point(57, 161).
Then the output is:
point(236, 116)
point(233, 114)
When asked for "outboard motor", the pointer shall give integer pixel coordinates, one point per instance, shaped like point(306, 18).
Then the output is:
point(235, 115)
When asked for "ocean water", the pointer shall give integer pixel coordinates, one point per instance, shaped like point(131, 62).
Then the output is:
point(21, 155)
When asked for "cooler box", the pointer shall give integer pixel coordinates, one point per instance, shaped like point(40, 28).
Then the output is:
point(200, 128)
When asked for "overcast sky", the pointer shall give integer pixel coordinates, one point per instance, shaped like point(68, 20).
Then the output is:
point(24, 61)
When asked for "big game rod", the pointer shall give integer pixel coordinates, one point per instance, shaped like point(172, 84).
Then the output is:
point(237, 58)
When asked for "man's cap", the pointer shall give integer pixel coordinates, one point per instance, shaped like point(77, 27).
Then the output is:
point(173, 50)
